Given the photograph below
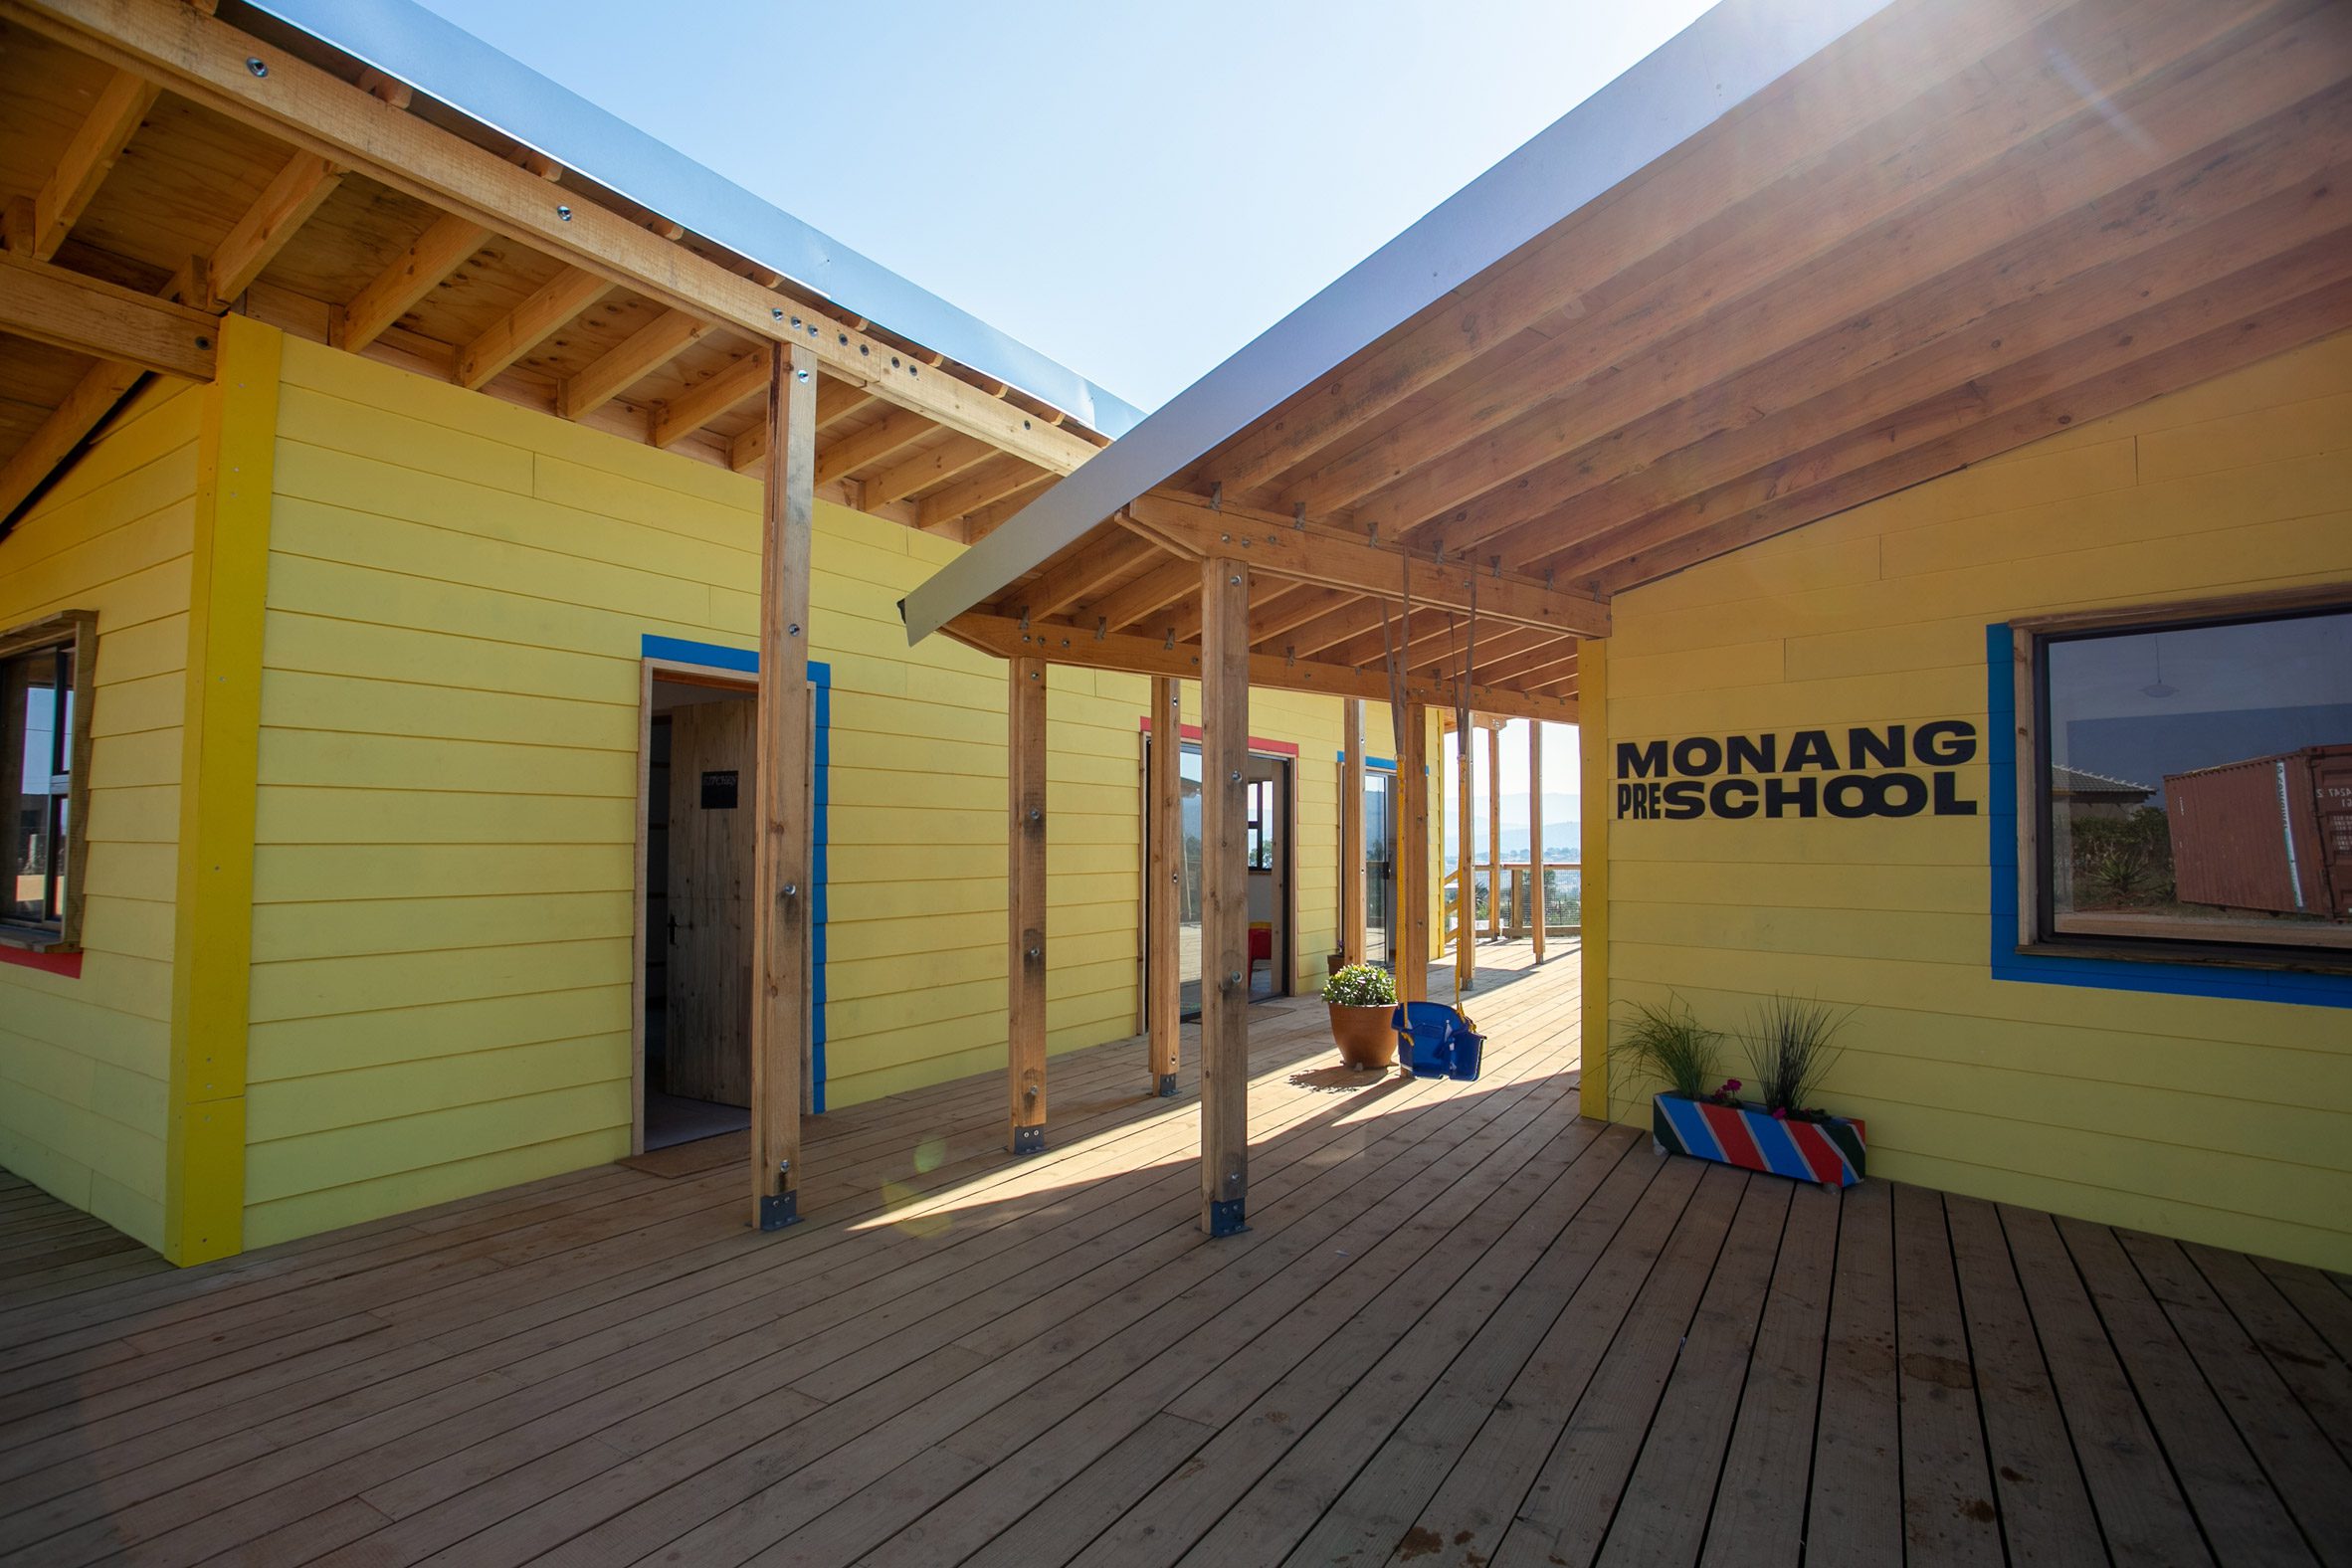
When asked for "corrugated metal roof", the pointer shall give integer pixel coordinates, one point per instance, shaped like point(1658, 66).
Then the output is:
point(442, 59)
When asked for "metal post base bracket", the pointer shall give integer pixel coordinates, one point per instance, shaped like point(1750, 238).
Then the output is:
point(1029, 1141)
point(779, 1210)
point(1225, 1216)
point(1168, 1085)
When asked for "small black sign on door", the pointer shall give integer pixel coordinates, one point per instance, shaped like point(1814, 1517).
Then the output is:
point(718, 790)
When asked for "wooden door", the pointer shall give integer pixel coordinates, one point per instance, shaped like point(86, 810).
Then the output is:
point(712, 752)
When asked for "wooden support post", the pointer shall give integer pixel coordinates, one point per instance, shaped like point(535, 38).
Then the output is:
point(1352, 917)
point(1025, 918)
point(1163, 1004)
point(1412, 857)
point(1494, 832)
point(1466, 944)
point(1537, 905)
point(781, 873)
point(1224, 896)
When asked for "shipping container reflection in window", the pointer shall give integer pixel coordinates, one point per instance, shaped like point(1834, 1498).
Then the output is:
point(2197, 782)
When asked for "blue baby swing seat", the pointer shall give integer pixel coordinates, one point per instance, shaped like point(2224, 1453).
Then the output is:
point(1438, 1042)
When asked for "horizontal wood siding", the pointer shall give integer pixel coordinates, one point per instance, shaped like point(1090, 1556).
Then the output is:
point(2223, 1121)
point(86, 1062)
point(458, 593)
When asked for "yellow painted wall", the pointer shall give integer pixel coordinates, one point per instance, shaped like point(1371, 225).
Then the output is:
point(86, 1062)
point(445, 829)
point(2220, 1120)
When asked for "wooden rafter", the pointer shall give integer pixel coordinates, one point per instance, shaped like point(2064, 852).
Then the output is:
point(92, 398)
point(71, 311)
point(441, 249)
point(1517, 666)
point(922, 469)
point(888, 435)
point(992, 480)
point(743, 379)
point(1910, 404)
point(1278, 547)
point(204, 60)
point(628, 363)
point(1079, 572)
point(1998, 304)
point(1275, 616)
point(1061, 642)
point(295, 192)
point(835, 399)
point(561, 299)
point(1157, 588)
point(99, 139)
point(2229, 346)
point(1935, 145)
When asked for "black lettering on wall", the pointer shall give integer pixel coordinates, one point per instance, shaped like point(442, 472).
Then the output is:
point(1867, 748)
point(1643, 761)
point(1948, 742)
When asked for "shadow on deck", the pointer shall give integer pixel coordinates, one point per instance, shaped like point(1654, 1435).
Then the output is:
point(1465, 1326)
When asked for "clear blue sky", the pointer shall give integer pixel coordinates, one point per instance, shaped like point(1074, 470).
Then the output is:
point(1135, 190)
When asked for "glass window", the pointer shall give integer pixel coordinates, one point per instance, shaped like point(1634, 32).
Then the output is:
point(36, 730)
point(2195, 782)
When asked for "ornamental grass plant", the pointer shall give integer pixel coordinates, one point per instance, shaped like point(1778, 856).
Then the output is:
point(1669, 1045)
point(1791, 1045)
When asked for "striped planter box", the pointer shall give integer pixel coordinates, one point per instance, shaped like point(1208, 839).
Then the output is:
point(1829, 1152)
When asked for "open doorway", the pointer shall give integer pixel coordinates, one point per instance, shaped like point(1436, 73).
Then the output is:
point(695, 1062)
point(1380, 864)
point(1271, 802)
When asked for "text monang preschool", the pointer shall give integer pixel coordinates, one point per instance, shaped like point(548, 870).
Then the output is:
point(1892, 771)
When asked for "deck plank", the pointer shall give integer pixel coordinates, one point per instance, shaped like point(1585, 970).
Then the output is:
point(2046, 1512)
point(1466, 1328)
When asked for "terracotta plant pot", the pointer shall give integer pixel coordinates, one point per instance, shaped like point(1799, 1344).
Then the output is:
point(1363, 1034)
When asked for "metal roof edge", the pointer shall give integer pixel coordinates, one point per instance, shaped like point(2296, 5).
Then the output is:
point(1677, 90)
point(438, 57)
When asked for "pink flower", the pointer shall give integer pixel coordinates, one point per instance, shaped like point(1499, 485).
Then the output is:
point(1780, 1114)
point(1730, 1087)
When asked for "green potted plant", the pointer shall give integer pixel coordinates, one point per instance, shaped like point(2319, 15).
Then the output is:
point(1790, 1045)
point(1363, 1001)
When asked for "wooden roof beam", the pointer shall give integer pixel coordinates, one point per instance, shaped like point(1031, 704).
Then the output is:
point(50, 304)
point(203, 60)
point(992, 480)
point(1631, 232)
point(924, 468)
point(94, 397)
point(1288, 606)
point(2246, 260)
point(742, 380)
point(1518, 667)
point(297, 191)
point(98, 141)
point(1713, 525)
point(440, 250)
point(1279, 547)
point(628, 363)
point(1074, 575)
point(1063, 642)
point(561, 299)
point(1159, 587)
point(894, 433)
point(1946, 142)
point(835, 399)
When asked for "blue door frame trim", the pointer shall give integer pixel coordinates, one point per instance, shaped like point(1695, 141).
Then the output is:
point(745, 661)
point(2112, 974)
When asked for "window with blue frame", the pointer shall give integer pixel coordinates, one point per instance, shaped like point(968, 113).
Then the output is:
point(2187, 788)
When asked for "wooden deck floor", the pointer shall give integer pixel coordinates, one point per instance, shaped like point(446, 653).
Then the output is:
point(1466, 1328)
